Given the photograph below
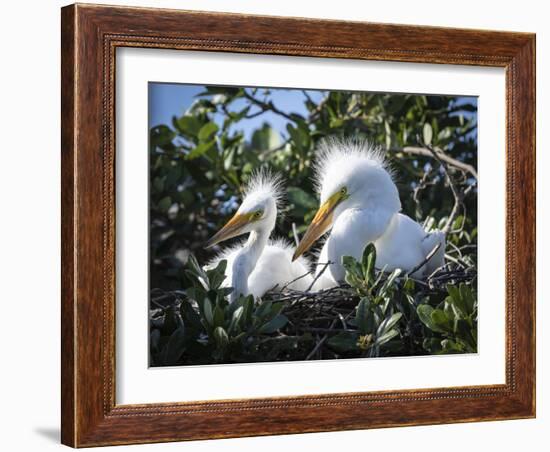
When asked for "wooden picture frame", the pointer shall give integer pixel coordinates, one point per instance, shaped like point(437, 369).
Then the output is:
point(90, 36)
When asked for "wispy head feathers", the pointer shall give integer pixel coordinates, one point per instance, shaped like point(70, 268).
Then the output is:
point(337, 155)
point(263, 182)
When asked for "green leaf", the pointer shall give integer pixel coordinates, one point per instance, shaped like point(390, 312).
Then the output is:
point(336, 123)
point(354, 275)
point(463, 331)
point(395, 103)
point(195, 267)
point(408, 286)
point(165, 203)
point(388, 323)
point(206, 131)
point(425, 312)
point(440, 319)
point(386, 337)
point(190, 315)
point(216, 276)
point(265, 138)
point(175, 347)
point(468, 297)
point(188, 125)
point(158, 184)
point(343, 342)
point(263, 310)
point(368, 262)
point(218, 316)
point(300, 136)
point(362, 315)
point(389, 282)
point(352, 266)
point(276, 308)
point(235, 319)
point(221, 338)
point(276, 323)
point(201, 149)
point(161, 135)
point(453, 291)
point(207, 311)
point(427, 133)
point(248, 309)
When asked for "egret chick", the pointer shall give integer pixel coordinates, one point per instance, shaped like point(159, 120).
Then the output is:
point(359, 204)
point(258, 264)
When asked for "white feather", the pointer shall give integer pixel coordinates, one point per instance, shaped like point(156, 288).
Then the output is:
point(257, 265)
point(371, 213)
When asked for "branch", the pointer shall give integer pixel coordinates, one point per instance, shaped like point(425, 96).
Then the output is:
point(267, 106)
point(425, 152)
point(426, 260)
point(456, 194)
point(325, 337)
point(318, 275)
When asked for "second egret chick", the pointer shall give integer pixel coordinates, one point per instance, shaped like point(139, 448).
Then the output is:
point(258, 264)
point(359, 204)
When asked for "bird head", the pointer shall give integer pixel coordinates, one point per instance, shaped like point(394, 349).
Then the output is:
point(258, 211)
point(348, 175)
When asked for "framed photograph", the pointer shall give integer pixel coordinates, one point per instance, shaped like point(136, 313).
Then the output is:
point(281, 225)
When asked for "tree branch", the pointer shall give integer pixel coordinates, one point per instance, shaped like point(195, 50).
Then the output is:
point(425, 152)
point(267, 106)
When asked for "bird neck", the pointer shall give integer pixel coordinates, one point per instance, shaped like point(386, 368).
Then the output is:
point(246, 260)
point(254, 246)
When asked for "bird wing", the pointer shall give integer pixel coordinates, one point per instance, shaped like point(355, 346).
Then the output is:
point(275, 269)
point(405, 244)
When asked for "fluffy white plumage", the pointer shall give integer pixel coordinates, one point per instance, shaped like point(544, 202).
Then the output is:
point(337, 160)
point(258, 264)
point(273, 268)
point(360, 204)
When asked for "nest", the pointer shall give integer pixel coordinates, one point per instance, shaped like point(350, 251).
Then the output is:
point(320, 315)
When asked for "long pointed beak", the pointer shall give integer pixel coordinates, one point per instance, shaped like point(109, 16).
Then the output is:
point(321, 223)
point(232, 228)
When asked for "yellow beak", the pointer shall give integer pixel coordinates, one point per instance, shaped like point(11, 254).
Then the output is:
point(232, 228)
point(320, 224)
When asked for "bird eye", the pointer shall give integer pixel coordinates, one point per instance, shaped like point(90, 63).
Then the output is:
point(343, 190)
point(258, 214)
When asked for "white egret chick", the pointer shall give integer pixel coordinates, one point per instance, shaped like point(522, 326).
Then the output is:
point(258, 264)
point(359, 204)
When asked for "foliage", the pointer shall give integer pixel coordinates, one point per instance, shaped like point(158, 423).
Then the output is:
point(375, 316)
point(384, 314)
point(198, 166)
point(203, 327)
point(453, 322)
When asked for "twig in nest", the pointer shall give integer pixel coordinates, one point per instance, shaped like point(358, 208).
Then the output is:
point(290, 282)
point(426, 260)
point(325, 337)
point(318, 275)
point(320, 343)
